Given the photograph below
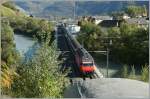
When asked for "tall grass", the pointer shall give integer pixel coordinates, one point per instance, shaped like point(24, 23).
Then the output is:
point(132, 73)
point(125, 71)
point(145, 73)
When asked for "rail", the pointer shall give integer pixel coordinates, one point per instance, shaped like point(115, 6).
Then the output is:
point(70, 38)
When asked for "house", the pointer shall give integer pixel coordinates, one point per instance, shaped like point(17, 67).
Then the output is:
point(73, 29)
point(110, 23)
point(99, 19)
point(125, 16)
point(141, 22)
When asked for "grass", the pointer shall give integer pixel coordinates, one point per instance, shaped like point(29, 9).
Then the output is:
point(117, 70)
point(7, 12)
point(125, 71)
point(144, 75)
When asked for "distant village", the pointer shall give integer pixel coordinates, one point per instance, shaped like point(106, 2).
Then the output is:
point(111, 21)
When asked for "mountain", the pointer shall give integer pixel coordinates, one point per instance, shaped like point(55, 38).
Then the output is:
point(66, 8)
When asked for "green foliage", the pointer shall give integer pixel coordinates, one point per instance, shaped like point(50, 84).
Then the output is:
point(6, 11)
point(145, 73)
point(9, 57)
point(125, 71)
point(132, 73)
point(10, 5)
point(130, 42)
point(118, 15)
point(132, 46)
point(33, 27)
point(8, 54)
point(18, 23)
point(7, 76)
point(45, 31)
point(40, 76)
point(134, 11)
point(9, 13)
point(90, 35)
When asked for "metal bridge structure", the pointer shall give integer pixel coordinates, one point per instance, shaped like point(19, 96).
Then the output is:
point(68, 45)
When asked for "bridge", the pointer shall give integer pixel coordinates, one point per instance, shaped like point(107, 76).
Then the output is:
point(98, 86)
point(71, 51)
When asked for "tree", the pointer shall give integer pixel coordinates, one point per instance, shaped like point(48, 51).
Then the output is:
point(118, 15)
point(9, 57)
point(90, 35)
point(40, 76)
point(133, 42)
point(10, 4)
point(134, 11)
point(44, 31)
point(9, 54)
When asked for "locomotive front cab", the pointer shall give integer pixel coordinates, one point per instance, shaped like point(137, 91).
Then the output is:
point(87, 67)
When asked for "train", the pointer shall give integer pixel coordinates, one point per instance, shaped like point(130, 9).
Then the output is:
point(83, 59)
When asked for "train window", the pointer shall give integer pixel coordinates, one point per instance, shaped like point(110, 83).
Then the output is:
point(87, 64)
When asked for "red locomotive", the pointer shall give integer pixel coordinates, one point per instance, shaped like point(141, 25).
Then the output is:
point(83, 59)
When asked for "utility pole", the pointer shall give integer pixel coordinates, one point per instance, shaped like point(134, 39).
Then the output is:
point(74, 10)
point(107, 64)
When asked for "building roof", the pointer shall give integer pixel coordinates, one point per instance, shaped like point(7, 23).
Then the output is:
point(110, 23)
point(103, 17)
point(140, 21)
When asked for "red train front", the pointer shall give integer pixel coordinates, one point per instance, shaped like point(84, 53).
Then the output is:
point(84, 62)
point(87, 67)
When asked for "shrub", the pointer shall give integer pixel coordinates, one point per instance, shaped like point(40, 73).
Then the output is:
point(125, 71)
point(40, 76)
point(132, 73)
point(145, 73)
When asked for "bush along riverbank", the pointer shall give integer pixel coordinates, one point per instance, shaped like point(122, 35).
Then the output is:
point(38, 77)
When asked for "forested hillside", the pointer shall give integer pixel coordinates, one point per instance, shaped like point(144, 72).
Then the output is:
point(66, 8)
point(35, 77)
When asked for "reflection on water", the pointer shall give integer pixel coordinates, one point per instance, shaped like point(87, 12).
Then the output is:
point(25, 45)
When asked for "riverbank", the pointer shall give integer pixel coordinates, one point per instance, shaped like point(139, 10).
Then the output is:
point(118, 70)
point(23, 43)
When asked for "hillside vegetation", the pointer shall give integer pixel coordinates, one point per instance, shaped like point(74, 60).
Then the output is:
point(66, 8)
point(7, 12)
point(129, 44)
point(38, 77)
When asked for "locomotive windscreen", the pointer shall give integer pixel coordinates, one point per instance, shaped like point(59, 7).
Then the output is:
point(87, 64)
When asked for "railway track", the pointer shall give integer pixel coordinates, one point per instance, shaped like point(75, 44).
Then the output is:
point(68, 54)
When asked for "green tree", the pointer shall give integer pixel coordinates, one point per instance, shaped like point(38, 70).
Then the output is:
point(40, 76)
point(134, 11)
point(90, 36)
point(9, 58)
point(132, 73)
point(8, 54)
point(145, 73)
point(44, 31)
point(133, 42)
point(125, 71)
point(10, 4)
point(118, 15)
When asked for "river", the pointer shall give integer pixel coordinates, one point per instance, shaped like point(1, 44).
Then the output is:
point(27, 46)
point(24, 45)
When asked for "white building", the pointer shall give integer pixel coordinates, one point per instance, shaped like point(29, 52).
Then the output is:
point(73, 29)
point(126, 17)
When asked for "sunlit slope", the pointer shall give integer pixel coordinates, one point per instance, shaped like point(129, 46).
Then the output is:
point(7, 12)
